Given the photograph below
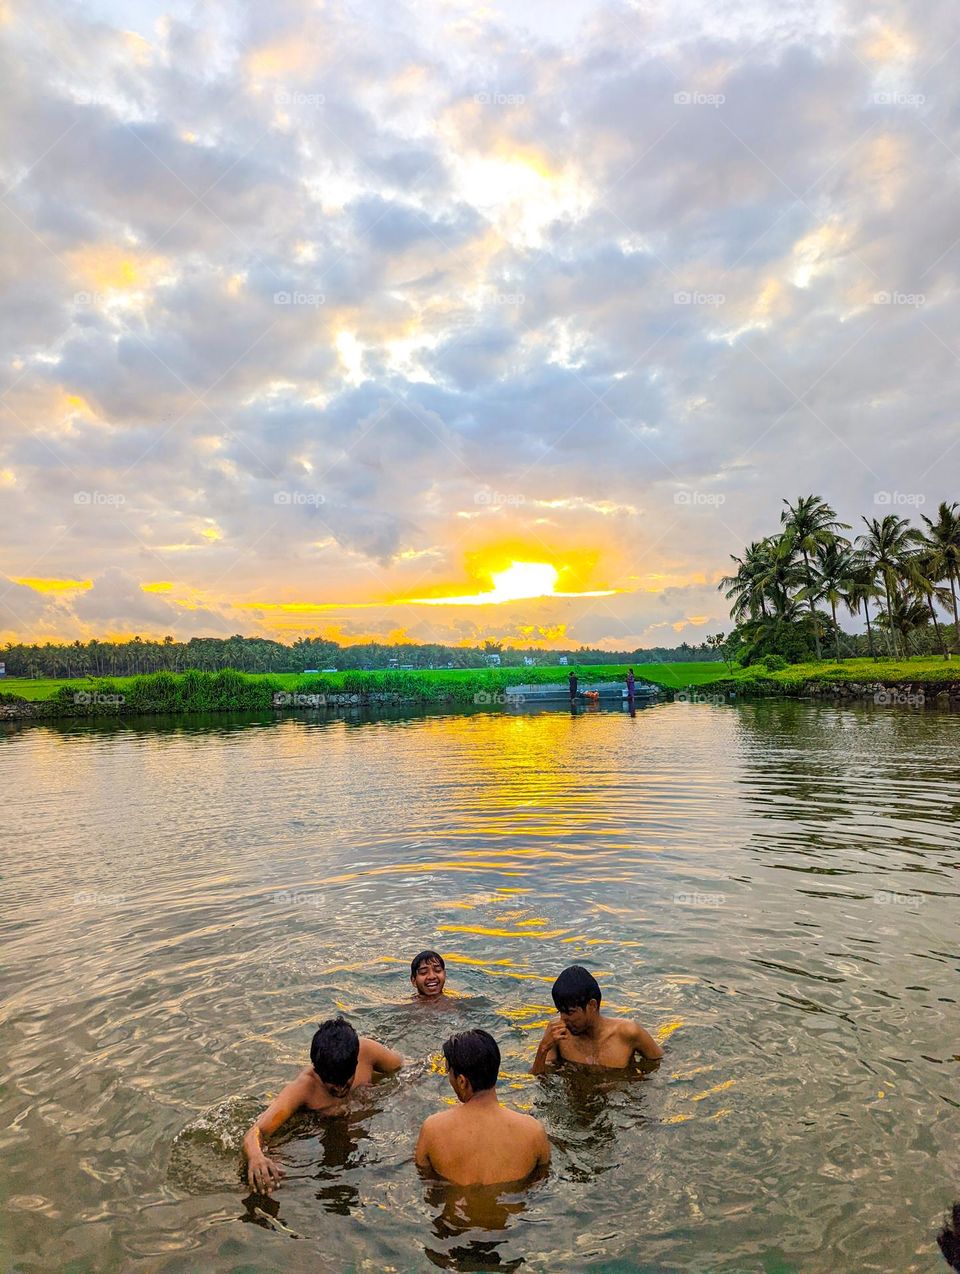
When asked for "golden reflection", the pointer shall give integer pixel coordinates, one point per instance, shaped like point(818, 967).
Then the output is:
point(664, 1032)
point(717, 1088)
point(502, 933)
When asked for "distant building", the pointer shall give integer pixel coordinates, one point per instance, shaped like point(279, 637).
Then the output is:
point(493, 661)
point(3, 670)
point(406, 667)
point(563, 660)
point(310, 672)
point(329, 670)
point(529, 661)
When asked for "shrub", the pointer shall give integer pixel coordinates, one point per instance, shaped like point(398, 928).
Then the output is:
point(774, 663)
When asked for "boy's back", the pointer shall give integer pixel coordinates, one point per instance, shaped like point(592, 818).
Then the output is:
point(484, 1143)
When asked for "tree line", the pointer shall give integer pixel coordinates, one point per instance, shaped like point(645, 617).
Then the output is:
point(896, 575)
point(260, 654)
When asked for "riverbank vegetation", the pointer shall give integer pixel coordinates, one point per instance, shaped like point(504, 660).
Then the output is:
point(789, 589)
point(197, 691)
point(260, 655)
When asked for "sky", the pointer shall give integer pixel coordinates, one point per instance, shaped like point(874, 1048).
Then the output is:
point(453, 322)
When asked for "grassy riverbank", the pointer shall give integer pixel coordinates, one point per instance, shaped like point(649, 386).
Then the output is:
point(930, 670)
point(456, 683)
point(227, 691)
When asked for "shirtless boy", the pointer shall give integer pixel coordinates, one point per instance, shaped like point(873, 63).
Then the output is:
point(582, 1035)
point(428, 975)
point(340, 1060)
point(479, 1142)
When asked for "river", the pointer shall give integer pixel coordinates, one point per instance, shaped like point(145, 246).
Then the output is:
point(770, 888)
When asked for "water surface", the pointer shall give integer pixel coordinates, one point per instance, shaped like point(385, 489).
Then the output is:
point(771, 888)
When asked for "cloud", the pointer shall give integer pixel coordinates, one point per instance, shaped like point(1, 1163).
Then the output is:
point(309, 307)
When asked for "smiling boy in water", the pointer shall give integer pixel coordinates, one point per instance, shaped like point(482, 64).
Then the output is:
point(340, 1060)
point(428, 976)
point(583, 1036)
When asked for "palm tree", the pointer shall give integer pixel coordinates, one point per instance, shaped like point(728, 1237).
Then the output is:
point(887, 543)
point(811, 524)
point(922, 572)
point(908, 614)
point(745, 587)
point(834, 573)
point(863, 587)
point(943, 543)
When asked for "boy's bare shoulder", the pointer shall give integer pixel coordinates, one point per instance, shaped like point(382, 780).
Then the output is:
point(520, 1120)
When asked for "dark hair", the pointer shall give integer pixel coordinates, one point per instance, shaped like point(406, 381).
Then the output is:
point(575, 988)
point(474, 1054)
point(949, 1239)
point(335, 1050)
point(422, 957)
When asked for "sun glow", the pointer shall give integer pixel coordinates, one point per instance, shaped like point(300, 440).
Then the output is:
point(520, 581)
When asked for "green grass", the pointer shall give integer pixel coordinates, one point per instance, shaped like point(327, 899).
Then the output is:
point(191, 691)
point(889, 672)
point(671, 675)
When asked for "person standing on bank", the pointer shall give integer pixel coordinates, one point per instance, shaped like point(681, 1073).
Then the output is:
point(631, 690)
point(572, 681)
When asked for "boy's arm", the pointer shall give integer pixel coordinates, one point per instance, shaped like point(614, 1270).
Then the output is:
point(644, 1043)
point(421, 1156)
point(548, 1051)
point(383, 1059)
point(264, 1174)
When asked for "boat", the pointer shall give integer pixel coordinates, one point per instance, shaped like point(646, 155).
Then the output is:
point(587, 692)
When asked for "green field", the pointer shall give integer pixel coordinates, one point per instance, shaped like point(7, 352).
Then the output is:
point(671, 675)
point(228, 690)
point(925, 668)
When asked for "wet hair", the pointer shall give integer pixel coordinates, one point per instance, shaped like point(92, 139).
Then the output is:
point(334, 1051)
point(575, 988)
point(949, 1239)
point(422, 957)
point(475, 1055)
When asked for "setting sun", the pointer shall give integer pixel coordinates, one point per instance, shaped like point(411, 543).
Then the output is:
point(519, 581)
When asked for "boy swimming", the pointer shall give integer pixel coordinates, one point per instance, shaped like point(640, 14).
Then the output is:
point(583, 1035)
point(340, 1060)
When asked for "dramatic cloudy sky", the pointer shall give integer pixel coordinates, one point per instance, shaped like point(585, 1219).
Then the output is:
point(315, 313)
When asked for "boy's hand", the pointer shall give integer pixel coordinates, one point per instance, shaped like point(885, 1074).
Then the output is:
point(554, 1033)
point(263, 1174)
